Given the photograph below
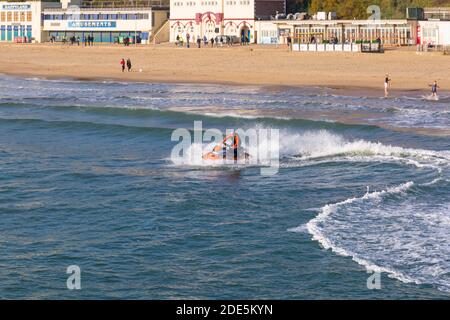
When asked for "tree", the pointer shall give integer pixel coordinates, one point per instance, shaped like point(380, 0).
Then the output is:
point(357, 9)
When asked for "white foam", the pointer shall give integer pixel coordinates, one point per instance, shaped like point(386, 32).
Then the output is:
point(315, 231)
point(322, 146)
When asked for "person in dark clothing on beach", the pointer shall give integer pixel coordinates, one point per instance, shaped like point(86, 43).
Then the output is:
point(434, 86)
point(188, 38)
point(129, 64)
point(199, 42)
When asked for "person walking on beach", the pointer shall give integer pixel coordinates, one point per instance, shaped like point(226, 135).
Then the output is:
point(188, 37)
point(129, 64)
point(434, 86)
point(199, 42)
point(205, 41)
point(122, 64)
point(387, 85)
point(212, 42)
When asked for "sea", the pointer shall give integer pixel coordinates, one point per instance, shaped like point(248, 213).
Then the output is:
point(359, 207)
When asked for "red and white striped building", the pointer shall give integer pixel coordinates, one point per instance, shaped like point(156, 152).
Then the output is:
point(212, 18)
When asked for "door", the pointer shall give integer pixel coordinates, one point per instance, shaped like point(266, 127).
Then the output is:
point(9, 33)
point(16, 32)
point(29, 33)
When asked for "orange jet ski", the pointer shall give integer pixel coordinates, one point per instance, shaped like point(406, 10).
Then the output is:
point(230, 149)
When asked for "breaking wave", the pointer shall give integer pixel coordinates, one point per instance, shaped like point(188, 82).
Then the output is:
point(394, 230)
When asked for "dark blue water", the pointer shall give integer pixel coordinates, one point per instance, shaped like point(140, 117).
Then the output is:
point(86, 179)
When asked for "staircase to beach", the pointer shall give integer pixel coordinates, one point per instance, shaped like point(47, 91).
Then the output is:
point(162, 34)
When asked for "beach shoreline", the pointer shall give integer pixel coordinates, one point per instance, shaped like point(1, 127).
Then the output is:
point(274, 68)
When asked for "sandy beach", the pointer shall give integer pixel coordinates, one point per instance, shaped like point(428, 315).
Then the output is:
point(256, 65)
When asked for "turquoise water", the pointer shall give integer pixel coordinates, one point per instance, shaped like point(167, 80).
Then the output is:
point(86, 179)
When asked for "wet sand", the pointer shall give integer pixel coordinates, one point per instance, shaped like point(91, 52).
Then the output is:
point(274, 67)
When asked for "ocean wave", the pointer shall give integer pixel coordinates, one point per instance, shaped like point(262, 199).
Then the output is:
point(317, 234)
point(338, 225)
point(389, 231)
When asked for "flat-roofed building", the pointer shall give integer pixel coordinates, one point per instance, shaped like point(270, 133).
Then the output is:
point(105, 21)
point(22, 21)
point(434, 33)
point(389, 32)
point(212, 18)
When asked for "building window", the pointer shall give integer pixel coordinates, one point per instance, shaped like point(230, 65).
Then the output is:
point(9, 16)
point(16, 16)
point(3, 16)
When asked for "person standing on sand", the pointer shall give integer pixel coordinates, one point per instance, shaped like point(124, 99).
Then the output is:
point(188, 37)
point(387, 85)
point(129, 64)
point(199, 42)
point(122, 63)
point(434, 86)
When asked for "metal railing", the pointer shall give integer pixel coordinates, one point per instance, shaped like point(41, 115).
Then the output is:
point(433, 48)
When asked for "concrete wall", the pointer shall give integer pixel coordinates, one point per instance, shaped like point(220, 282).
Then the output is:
point(160, 17)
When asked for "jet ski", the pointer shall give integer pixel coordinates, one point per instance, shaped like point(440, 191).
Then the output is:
point(229, 149)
